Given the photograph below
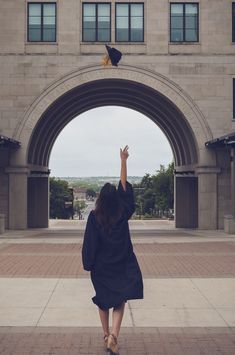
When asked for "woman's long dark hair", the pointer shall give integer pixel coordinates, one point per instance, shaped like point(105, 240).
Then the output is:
point(108, 208)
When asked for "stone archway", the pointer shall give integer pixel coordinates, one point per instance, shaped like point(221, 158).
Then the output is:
point(147, 92)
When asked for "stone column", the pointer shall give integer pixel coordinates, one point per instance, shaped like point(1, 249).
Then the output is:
point(229, 220)
point(207, 197)
point(18, 177)
point(4, 184)
point(38, 201)
point(233, 181)
point(186, 201)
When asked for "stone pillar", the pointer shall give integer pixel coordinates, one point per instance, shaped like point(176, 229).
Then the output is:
point(207, 197)
point(233, 181)
point(18, 177)
point(229, 220)
point(4, 183)
point(38, 201)
point(186, 201)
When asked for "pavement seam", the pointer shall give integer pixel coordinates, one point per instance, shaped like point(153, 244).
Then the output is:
point(212, 306)
point(47, 302)
point(131, 314)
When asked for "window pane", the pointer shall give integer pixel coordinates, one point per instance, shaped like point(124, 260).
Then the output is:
point(34, 34)
point(103, 35)
point(233, 98)
point(89, 9)
point(191, 9)
point(191, 35)
point(49, 10)
point(122, 22)
point(34, 10)
point(48, 34)
point(176, 22)
point(49, 21)
point(104, 10)
point(136, 22)
point(89, 22)
point(177, 9)
point(122, 35)
point(89, 35)
point(122, 10)
point(136, 9)
point(103, 22)
point(233, 23)
point(191, 22)
point(35, 21)
point(176, 35)
point(136, 35)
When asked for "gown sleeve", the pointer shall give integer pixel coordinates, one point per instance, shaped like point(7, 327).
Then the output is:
point(127, 198)
point(90, 244)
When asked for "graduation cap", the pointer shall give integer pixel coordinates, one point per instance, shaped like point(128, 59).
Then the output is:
point(112, 57)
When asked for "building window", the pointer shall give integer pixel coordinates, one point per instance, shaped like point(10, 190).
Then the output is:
point(233, 21)
point(184, 20)
point(96, 23)
point(129, 22)
point(41, 22)
point(234, 99)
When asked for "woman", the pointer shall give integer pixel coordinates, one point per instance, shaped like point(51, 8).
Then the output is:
point(107, 252)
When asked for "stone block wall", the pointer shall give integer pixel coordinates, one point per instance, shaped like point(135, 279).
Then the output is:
point(203, 70)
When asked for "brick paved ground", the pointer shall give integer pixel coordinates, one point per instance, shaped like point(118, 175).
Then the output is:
point(205, 259)
point(194, 259)
point(132, 341)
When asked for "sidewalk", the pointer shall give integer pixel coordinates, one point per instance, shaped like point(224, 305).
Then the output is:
point(188, 306)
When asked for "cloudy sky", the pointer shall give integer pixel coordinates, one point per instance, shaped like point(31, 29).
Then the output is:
point(89, 145)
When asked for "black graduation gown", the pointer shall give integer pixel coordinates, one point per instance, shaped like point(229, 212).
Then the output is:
point(114, 270)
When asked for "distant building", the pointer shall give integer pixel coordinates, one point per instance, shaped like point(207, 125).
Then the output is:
point(79, 194)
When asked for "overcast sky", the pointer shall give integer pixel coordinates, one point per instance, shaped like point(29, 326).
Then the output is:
point(89, 145)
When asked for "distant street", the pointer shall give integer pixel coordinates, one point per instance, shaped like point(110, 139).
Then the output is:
point(90, 206)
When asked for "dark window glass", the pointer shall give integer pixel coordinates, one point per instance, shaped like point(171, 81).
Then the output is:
point(233, 21)
point(234, 98)
point(41, 22)
point(184, 22)
point(96, 22)
point(129, 22)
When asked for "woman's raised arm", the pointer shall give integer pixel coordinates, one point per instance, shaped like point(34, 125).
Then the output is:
point(123, 176)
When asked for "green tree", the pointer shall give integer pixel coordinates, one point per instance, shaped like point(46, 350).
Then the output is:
point(155, 193)
point(147, 181)
point(79, 207)
point(163, 186)
point(61, 199)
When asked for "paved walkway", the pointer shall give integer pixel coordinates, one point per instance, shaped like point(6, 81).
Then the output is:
point(188, 306)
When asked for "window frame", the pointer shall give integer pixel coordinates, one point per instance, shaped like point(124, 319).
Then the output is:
point(233, 97)
point(129, 21)
point(41, 3)
point(233, 22)
point(184, 17)
point(96, 21)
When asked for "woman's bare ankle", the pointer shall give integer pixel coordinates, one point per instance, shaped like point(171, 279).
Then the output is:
point(115, 334)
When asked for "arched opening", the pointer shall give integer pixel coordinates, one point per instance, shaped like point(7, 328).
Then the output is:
point(86, 155)
point(118, 92)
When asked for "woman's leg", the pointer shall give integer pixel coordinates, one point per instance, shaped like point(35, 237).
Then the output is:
point(117, 319)
point(104, 317)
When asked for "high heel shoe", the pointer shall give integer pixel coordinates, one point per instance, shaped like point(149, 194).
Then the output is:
point(112, 346)
point(106, 342)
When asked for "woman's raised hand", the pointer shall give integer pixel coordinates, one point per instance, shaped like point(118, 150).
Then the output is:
point(124, 154)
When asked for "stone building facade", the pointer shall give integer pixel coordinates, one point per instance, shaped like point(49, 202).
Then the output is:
point(178, 68)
